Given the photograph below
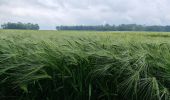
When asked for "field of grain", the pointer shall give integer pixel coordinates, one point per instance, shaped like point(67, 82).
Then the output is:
point(84, 65)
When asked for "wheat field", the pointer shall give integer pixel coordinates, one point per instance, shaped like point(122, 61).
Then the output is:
point(84, 65)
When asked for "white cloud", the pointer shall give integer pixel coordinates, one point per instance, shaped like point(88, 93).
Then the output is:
point(49, 13)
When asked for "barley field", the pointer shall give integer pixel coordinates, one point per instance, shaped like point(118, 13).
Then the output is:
point(84, 65)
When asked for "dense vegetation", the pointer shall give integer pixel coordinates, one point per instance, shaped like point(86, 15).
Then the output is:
point(123, 27)
point(19, 25)
point(67, 65)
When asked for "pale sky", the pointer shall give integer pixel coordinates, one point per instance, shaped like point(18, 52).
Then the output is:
point(49, 13)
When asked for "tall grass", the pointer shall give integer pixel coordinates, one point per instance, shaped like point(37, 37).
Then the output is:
point(74, 66)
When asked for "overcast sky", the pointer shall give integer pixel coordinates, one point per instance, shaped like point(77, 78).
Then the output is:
point(49, 13)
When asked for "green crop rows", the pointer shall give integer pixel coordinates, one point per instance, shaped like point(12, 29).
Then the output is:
point(84, 65)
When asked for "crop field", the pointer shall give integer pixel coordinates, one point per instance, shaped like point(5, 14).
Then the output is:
point(84, 65)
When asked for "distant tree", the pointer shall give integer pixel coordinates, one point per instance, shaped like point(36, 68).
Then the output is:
point(19, 25)
point(122, 27)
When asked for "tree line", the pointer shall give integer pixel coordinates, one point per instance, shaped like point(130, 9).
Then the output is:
point(122, 27)
point(19, 25)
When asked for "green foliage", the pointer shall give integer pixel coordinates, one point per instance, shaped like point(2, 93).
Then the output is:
point(73, 66)
point(122, 27)
point(20, 25)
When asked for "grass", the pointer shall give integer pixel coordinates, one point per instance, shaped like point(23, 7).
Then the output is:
point(84, 65)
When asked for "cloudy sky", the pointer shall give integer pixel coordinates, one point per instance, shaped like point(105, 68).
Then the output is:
point(49, 13)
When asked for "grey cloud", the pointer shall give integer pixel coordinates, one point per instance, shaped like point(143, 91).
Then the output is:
point(49, 13)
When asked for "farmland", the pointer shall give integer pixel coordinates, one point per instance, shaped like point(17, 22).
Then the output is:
point(84, 65)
